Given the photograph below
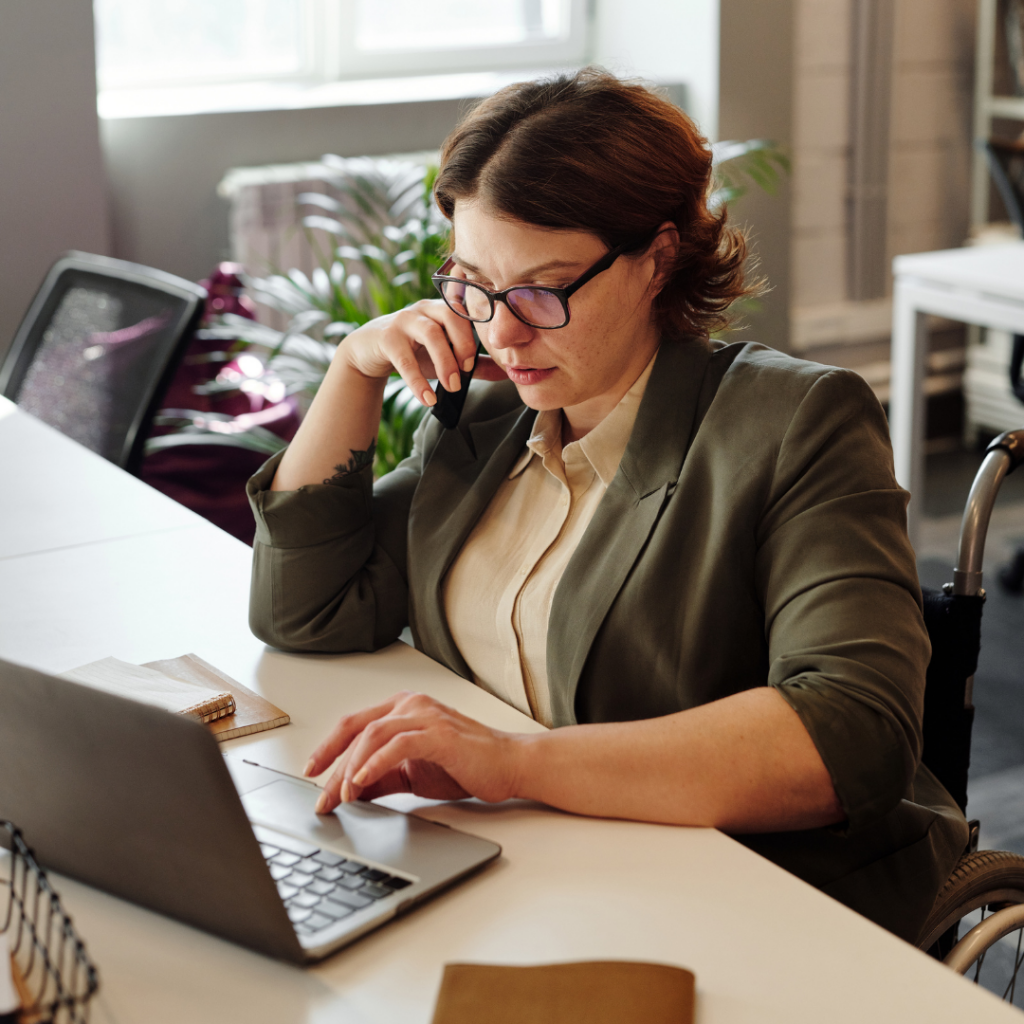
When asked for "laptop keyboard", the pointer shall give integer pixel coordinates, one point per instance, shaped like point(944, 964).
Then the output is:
point(319, 887)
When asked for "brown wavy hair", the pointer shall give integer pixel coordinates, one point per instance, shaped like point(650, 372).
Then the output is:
point(591, 152)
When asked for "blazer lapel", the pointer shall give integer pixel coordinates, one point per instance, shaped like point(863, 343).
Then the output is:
point(626, 515)
point(467, 467)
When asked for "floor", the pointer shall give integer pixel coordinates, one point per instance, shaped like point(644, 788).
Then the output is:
point(996, 786)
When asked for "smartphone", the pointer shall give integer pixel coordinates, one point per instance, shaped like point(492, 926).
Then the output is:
point(449, 403)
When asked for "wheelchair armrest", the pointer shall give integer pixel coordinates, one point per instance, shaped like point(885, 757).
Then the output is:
point(1002, 457)
point(1011, 442)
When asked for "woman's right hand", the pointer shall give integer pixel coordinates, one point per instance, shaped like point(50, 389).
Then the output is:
point(423, 341)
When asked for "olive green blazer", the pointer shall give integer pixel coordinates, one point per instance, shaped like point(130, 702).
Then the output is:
point(754, 535)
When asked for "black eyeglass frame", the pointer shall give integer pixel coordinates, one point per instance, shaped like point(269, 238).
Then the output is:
point(562, 294)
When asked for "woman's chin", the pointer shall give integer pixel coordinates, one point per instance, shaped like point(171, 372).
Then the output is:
point(540, 398)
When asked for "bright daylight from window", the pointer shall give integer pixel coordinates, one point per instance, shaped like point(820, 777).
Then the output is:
point(141, 42)
point(168, 42)
point(413, 25)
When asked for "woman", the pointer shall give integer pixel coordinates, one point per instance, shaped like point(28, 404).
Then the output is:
point(689, 557)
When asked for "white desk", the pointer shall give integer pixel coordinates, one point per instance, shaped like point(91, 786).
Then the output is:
point(765, 947)
point(57, 494)
point(984, 286)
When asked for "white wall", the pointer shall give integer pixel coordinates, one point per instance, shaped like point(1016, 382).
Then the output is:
point(735, 57)
point(52, 185)
point(756, 101)
point(664, 40)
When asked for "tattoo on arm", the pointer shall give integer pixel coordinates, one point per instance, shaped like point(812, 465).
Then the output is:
point(360, 460)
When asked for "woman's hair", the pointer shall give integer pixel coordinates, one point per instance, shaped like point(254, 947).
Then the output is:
point(590, 152)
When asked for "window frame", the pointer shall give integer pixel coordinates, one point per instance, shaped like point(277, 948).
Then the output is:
point(341, 60)
point(331, 56)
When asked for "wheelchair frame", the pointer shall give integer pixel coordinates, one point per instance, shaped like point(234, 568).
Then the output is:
point(981, 879)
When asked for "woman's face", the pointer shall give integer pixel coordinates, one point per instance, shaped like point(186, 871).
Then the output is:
point(587, 366)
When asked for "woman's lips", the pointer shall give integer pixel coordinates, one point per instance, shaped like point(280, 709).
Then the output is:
point(527, 374)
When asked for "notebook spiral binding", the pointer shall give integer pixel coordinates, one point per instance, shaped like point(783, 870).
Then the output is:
point(55, 971)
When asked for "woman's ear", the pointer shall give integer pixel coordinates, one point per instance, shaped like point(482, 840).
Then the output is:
point(663, 251)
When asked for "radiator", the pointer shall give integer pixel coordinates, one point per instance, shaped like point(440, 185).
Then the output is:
point(266, 229)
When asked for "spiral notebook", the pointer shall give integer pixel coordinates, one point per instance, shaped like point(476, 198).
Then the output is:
point(252, 713)
point(197, 700)
point(187, 686)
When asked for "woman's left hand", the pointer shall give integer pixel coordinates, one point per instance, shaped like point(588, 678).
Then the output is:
point(414, 744)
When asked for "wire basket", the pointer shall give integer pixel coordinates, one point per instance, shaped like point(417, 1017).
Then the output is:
point(52, 971)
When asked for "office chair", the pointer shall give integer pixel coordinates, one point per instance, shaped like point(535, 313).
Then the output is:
point(985, 883)
point(97, 349)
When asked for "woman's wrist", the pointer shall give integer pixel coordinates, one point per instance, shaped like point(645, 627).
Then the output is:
point(351, 360)
point(342, 421)
point(351, 379)
point(524, 758)
point(360, 353)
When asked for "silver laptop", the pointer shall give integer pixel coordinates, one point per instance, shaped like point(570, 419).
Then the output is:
point(141, 803)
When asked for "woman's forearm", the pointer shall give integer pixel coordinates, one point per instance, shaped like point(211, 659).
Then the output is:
point(422, 341)
point(743, 764)
point(338, 431)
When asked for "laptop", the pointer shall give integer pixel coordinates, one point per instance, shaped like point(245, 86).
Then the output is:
point(140, 803)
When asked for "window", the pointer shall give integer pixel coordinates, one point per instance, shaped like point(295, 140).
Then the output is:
point(189, 42)
point(169, 42)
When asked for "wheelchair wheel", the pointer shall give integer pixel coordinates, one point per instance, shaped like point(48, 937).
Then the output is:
point(977, 924)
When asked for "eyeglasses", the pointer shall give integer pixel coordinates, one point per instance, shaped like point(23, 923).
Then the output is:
point(546, 308)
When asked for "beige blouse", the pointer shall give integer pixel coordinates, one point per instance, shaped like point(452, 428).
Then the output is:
point(498, 592)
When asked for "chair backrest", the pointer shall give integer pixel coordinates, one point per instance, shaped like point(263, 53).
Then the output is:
point(97, 349)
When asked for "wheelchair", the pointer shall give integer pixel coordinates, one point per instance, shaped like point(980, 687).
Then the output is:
point(976, 926)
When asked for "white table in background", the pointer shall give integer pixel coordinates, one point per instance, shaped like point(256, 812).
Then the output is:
point(982, 285)
point(765, 947)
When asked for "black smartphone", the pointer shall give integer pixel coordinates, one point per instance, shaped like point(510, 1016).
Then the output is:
point(449, 403)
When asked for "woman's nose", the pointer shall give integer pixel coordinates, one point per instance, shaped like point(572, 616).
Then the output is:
point(506, 330)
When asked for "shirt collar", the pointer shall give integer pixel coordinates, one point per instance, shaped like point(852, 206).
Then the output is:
point(603, 446)
point(545, 436)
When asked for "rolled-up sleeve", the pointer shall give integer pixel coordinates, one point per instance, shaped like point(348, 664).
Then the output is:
point(329, 560)
point(848, 648)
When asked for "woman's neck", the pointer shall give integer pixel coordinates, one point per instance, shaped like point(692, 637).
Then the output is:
point(579, 420)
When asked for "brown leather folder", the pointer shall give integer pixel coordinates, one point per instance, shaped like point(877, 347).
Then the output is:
point(592, 992)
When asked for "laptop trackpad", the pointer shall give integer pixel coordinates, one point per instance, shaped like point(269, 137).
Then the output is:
point(365, 829)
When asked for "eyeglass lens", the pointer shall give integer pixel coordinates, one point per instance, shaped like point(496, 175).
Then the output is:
point(534, 305)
